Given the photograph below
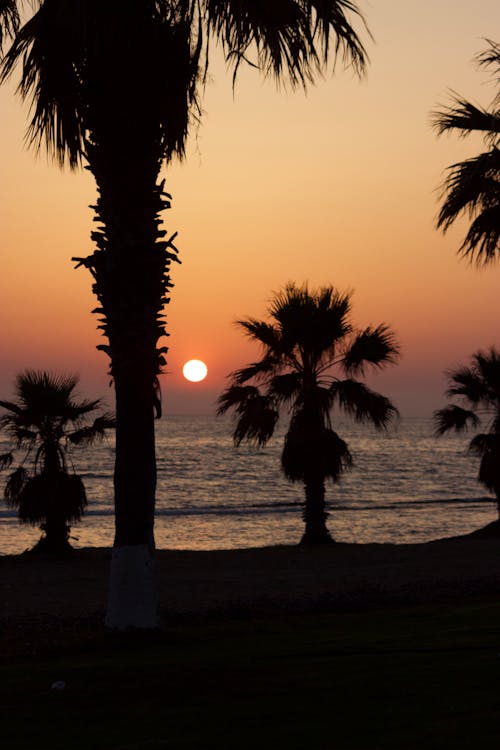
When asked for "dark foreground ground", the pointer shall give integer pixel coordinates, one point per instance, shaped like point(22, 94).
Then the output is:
point(372, 646)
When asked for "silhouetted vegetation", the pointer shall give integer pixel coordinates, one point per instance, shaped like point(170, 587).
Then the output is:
point(117, 86)
point(478, 387)
point(43, 422)
point(472, 187)
point(310, 336)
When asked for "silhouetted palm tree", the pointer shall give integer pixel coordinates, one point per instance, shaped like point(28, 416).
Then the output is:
point(117, 84)
point(472, 187)
point(309, 337)
point(44, 421)
point(478, 387)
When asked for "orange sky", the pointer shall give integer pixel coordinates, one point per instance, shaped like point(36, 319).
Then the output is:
point(336, 187)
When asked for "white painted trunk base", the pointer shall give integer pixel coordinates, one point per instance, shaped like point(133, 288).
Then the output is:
point(133, 591)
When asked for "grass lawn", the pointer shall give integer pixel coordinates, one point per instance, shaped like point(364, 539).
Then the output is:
point(426, 677)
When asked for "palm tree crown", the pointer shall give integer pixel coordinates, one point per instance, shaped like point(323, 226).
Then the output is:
point(472, 187)
point(81, 55)
point(309, 342)
point(478, 388)
point(45, 421)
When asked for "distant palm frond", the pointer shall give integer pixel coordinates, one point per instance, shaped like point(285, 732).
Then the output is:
point(360, 402)
point(372, 346)
point(264, 333)
point(285, 388)
point(466, 382)
point(93, 433)
point(14, 485)
point(256, 371)
point(454, 418)
point(256, 413)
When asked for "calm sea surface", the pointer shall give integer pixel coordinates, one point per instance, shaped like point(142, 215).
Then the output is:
point(405, 486)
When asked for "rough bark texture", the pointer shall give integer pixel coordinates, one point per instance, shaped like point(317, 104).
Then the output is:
point(130, 267)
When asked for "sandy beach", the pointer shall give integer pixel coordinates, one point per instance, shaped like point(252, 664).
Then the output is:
point(52, 597)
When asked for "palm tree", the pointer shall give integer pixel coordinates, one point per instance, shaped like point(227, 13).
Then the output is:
point(478, 387)
point(472, 187)
point(309, 339)
point(117, 84)
point(45, 421)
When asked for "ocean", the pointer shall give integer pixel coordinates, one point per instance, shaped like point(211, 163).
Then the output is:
point(405, 486)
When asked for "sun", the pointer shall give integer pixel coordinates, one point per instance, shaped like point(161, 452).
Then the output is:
point(195, 370)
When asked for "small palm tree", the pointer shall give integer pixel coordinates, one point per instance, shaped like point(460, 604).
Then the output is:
point(478, 387)
point(308, 337)
point(44, 421)
point(472, 187)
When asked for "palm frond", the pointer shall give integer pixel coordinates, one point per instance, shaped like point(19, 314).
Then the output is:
point(263, 333)
point(256, 415)
point(490, 58)
point(49, 49)
point(291, 39)
point(454, 417)
point(467, 382)
point(234, 396)
point(311, 323)
point(363, 404)
point(487, 364)
point(466, 118)
point(14, 486)
point(479, 382)
point(482, 241)
point(372, 346)
point(256, 371)
point(285, 388)
point(9, 20)
point(93, 433)
point(472, 187)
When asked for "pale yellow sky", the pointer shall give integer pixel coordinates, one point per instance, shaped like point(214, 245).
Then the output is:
point(336, 187)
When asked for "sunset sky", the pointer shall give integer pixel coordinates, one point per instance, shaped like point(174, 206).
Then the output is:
point(338, 186)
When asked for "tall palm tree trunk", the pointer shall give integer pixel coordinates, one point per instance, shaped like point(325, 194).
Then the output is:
point(314, 513)
point(130, 267)
point(135, 463)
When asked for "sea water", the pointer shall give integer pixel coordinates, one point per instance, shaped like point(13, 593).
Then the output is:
point(405, 486)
